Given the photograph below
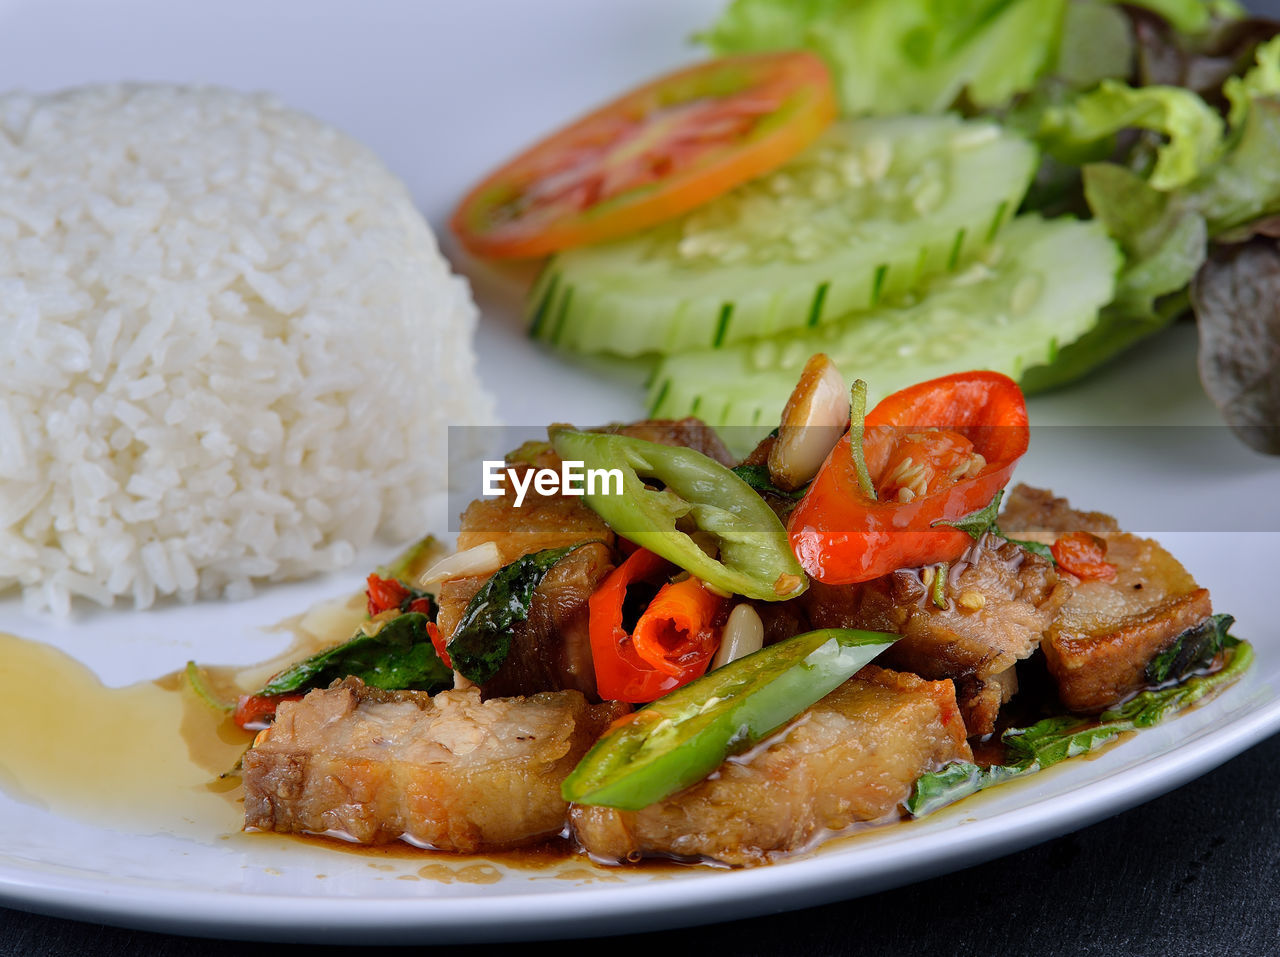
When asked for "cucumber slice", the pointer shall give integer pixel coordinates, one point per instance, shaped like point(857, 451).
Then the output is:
point(862, 215)
point(1040, 285)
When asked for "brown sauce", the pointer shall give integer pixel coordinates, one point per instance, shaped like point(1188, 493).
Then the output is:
point(141, 756)
point(152, 757)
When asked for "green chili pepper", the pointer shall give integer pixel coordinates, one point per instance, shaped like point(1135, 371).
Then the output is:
point(755, 558)
point(681, 738)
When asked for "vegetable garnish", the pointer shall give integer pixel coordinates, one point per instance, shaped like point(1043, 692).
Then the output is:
point(198, 682)
point(1234, 296)
point(1083, 554)
point(906, 56)
point(684, 736)
point(754, 556)
point(1052, 740)
point(391, 654)
point(757, 476)
point(979, 523)
point(390, 594)
point(678, 634)
point(482, 640)
point(390, 587)
point(394, 653)
point(253, 712)
point(935, 452)
point(1193, 650)
point(621, 674)
point(652, 154)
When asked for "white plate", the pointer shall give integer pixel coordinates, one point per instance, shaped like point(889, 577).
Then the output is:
point(443, 91)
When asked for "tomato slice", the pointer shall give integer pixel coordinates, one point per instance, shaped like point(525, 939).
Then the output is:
point(652, 154)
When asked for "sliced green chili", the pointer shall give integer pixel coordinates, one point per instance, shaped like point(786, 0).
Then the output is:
point(665, 485)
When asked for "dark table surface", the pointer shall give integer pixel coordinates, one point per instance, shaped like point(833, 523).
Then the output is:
point(1196, 872)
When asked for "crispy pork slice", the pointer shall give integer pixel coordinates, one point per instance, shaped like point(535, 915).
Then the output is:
point(1036, 509)
point(1100, 644)
point(851, 757)
point(550, 651)
point(449, 772)
point(1000, 599)
point(690, 432)
point(981, 699)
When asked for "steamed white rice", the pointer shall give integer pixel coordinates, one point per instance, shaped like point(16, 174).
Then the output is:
point(229, 346)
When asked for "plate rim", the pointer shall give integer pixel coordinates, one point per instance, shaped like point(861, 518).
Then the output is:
point(611, 910)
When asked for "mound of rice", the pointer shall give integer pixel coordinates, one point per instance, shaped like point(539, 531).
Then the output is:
point(229, 346)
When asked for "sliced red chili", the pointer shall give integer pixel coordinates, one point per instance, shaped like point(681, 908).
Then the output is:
point(256, 711)
point(621, 673)
point(1083, 555)
point(384, 594)
point(934, 452)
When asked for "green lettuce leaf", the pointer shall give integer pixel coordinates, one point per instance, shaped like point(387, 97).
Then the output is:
point(1096, 44)
point(1165, 234)
point(1163, 238)
point(1261, 80)
point(895, 56)
point(1187, 16)
point(1200, 62)
point(1084, 129)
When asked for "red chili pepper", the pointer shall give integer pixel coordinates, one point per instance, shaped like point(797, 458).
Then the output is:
point(255, 711)
point(678, 633)
point(1083, 555)
point(384, 594)
point(936, 451)
point(621, 674)
point(438, 642)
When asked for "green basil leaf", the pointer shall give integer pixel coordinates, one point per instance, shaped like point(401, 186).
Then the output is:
point(1053, 740)
point(976, 523)
point(1192, 650)
point(757, 476)
point(397, 656)
point(1035, 548)
point(482, 640)
point(982, 521)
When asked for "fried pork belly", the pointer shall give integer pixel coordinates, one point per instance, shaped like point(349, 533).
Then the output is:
point(1108, 631)
point(449, 772)
point(981, 699)
point(1000, 600)
point(1028, 509)
point(550, 650)
point(690, 432)
point(852, 757)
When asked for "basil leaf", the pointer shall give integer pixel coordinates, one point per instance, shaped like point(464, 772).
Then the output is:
point(1053, 740)
point(397, 656)
point(1035, 548)
point(1192, 650)
point(982, 521)
point(482, 640)
point(757, 476)
point(976, 523)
